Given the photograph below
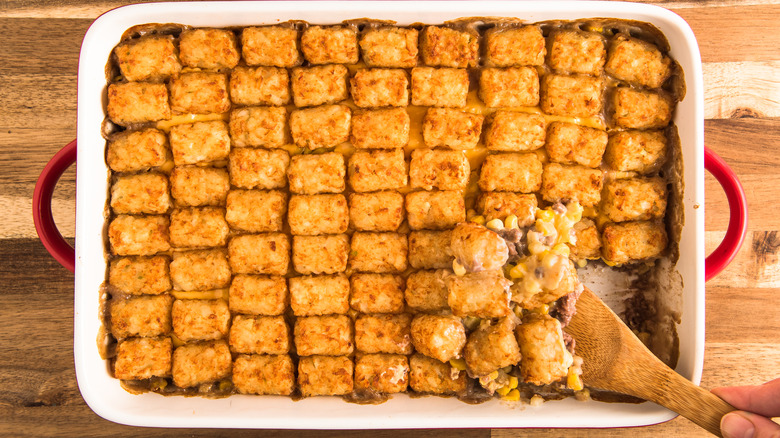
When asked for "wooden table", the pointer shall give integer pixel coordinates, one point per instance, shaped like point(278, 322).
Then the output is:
point(39, 49)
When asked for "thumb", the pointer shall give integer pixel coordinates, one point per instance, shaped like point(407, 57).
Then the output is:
point(740, 424)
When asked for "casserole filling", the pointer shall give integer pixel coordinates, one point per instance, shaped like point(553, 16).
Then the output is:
point(363, 209)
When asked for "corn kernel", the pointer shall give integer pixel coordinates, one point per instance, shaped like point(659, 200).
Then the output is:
point(493, 375)
point(536, 247)
point(581, 263)
point(536, 400)
point(495, 224)
point(573, 380)
point(458, 269)
point(574, 212)
point(544, 309)
point(519, 271)
point(159, 383)
point(513, 382)
point(514, 395)
point(470, 213)
point(511, 221)
point(609, 263)
point(458, 364)
point(545, 215)
point(503, 391)
point(561, 249)
point(479, 220)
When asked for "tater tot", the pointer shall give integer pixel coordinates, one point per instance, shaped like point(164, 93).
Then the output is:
point(384, 333)
point(271, 45)
point(140, 275)
point(482, 294)
point(477, 248)
point(145, 316)
point(377, 211)
point(264, 374)
point(142, 358)
point(324, 335)
point(138, 235)
point(430, 249)
point(200, 320)
point(377, 293)
point(436, 169)
point(637, 109)
point(636, 199)
point(385, 373)
point(633, 241)
point(515, 131)
point(389, 47)
point(320, 254)
point(445, 47)
point(319, 295)
point(451, 128)
point(325, 375)
point(200, 270)
point(378, 252)
point(208, 48)
point(426, 291)
point(509, 87)
point(267, 253)
point(318, 214)
point(491, 347)
point(511, 172)
point(562, 182)
point(259, 335)
point(500, 205)
point(375, 88)
point(194, 364)
point(386, 128)
point(514, 46)
point(198, 227)
point(256, 211)
point(329, 45)
point(314, 174)
point(435, 210)
point(258, 295)
point(429, 376)
point(544, 355)
point(439, 337)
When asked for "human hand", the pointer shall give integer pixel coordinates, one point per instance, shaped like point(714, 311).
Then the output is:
point(753, 402)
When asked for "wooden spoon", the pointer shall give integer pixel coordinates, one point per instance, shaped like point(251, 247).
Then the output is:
point(616, 360)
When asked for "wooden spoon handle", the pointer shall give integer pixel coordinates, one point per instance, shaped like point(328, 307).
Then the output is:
point(692, 402)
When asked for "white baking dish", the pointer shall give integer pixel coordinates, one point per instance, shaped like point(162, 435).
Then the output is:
point(104, 394)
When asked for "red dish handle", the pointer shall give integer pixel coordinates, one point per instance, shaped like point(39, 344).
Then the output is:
point(738, 215)
point(47, 230)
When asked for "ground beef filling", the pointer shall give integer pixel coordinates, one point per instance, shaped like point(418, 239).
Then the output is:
point(516, 244)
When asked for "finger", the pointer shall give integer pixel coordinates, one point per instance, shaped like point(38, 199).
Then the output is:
point(761, 399)
point(739, 424)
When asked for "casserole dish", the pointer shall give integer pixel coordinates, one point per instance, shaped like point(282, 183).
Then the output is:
point(108, 399)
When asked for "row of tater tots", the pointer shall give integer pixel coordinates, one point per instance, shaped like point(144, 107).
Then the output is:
point(201, 92)
point(574, 87)
point(565, 51)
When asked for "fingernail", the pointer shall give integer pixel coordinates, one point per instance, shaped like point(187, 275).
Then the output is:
point(734, 425)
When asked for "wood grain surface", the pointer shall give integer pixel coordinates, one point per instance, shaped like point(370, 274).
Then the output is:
point(39, 48)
